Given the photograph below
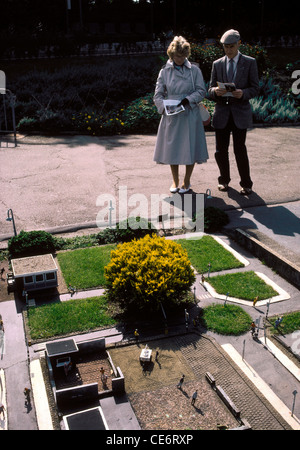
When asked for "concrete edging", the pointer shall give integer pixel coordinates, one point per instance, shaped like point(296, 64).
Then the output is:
point(265, 390)
point(282, 295)
point(284, 267)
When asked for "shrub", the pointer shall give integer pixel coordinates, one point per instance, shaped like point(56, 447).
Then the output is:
point(214, 219)
point(72, 243)
point(98, 123)
point(31, 243)
point(149, 271)
point(141, 115)
point(125, 231)
point(52, 94)
point(273, 111)
point(272, 105)
point(205, 56)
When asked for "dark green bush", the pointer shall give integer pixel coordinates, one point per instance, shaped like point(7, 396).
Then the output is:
point(272, 105)
point(31, 243)
point(52, 95)
point(214, 219)
point(117, 97)
point(206, 56)
point(141, 115)
point(126, 230)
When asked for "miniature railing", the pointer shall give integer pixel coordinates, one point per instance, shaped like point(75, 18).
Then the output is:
point(8, 133)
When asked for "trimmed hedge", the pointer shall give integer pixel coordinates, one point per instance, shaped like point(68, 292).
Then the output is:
point(31, 243)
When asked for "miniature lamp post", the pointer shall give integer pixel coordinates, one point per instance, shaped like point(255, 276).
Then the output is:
point(294, 400)
point(268, 306)
point(226, 298)
point(10, 218)
point(244, 344)
point(207, 196)
point(209, 268)
point(111, 208)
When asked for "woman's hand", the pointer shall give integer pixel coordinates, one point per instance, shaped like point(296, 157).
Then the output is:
point(184, 102)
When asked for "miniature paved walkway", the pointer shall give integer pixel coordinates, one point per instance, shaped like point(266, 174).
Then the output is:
point(207, 356)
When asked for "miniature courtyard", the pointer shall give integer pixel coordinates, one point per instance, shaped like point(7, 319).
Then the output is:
point(160, 405)
point(87, 370)
point(155, 398)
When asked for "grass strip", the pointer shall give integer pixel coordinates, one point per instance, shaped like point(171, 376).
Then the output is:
point(243, 285)
point(207, 250)
point(226, 319)
point(289, 324)
point(84, 268)
point(59, 318)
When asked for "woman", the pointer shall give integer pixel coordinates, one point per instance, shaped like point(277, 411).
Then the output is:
point(181, 138)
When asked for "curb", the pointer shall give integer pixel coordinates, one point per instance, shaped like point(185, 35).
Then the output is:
point(283, 266)
point(43, 415)
point(282, 294)
point(265, 390)
point(281, 357)
point(3, 422)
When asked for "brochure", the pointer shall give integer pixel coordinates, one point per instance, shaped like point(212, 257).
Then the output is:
point(172, 108)
point(230, 87)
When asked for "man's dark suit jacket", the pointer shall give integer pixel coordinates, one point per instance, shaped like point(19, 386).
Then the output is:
point(246, 79)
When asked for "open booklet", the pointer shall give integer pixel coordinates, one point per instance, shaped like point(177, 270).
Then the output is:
point(171, 107)
point(230, 87)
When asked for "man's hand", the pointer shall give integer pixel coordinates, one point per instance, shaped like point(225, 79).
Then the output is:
point(219, 92)
point(238, 93)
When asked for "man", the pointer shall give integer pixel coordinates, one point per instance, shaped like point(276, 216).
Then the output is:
point(233, 112)
point(179, 385)
point(194, 397)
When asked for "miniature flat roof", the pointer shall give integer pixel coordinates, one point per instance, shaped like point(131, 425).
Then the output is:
point(61, 347)
point(33, 265)
point(90, 419)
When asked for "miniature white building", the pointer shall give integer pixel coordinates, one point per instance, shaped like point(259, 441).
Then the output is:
point(35, 272)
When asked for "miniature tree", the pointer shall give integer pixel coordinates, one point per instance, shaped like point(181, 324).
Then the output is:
point(149, 271)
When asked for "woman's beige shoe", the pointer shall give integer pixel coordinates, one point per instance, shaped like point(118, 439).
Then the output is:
point(184, 190)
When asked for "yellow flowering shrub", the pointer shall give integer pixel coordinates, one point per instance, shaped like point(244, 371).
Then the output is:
point(148, 271)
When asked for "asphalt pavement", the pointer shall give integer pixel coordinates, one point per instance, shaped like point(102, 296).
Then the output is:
point(65, 185)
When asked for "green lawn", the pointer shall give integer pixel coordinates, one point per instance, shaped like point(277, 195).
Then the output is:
point(226, 319)
point(84, 268)
point(289, 324)
point(207, 250)
point(243, 285)
point(55, 319)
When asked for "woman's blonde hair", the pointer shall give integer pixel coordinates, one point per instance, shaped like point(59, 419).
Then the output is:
point(179, 46)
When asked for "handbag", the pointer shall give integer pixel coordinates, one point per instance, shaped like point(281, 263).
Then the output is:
point(205, 115)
